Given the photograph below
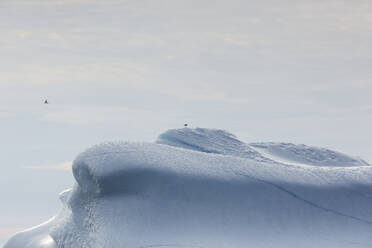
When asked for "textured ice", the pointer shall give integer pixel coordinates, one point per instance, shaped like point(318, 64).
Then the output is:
point(205, 188)
point(209, 141)
point(307, 155)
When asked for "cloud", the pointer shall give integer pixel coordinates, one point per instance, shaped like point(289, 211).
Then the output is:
point(58, 2)
point(98, 114)
point(10, 230)
point(64, 166)
point(5, 114)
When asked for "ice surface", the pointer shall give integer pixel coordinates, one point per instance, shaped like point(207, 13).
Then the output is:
point(307, 155)
point(34, 237)
point(205, 188)
point(209, 141)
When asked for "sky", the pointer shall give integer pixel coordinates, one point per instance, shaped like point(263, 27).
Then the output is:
point(291, 71)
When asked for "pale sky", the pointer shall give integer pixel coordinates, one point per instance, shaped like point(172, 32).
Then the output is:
point(277, 70)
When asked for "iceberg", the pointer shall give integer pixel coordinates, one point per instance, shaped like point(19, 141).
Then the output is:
point(205, 188)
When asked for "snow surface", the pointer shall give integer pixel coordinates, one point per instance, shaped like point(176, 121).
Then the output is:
point(205, 188)
point(302, 154)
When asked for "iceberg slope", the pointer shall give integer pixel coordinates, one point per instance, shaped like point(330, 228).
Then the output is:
point(209, 141)
point(307, 155)
point(205, 188)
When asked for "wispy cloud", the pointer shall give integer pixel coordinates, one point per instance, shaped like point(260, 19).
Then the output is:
point(56, 2)
point(5, 114)
point(10, 230)
point(64, 166)
point(99, 114)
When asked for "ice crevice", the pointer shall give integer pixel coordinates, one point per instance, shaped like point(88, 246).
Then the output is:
point(300, 198)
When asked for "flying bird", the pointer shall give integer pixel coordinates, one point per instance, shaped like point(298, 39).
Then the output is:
point(46, 101)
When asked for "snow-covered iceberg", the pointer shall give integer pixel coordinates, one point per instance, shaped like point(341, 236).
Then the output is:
point(205, 188)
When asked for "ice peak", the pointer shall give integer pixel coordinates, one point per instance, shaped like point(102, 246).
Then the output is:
point(208, 140)
point(200, 139)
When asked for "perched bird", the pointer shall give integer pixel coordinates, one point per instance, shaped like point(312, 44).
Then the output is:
point(185, 125)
